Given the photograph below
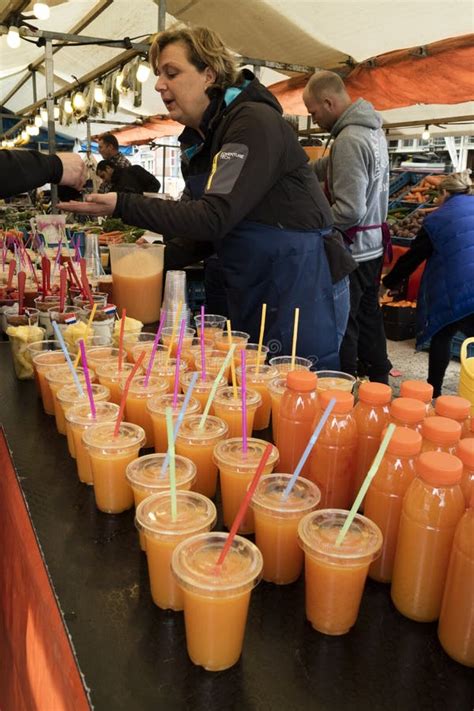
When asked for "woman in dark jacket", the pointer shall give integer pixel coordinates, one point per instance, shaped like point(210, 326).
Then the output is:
point(128, 179)
point(446, 297)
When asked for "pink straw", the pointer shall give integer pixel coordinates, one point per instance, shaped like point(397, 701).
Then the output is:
point(87, 377)
point(243, 388)
point(178, 362)
point(203, 352)
point(154, 347)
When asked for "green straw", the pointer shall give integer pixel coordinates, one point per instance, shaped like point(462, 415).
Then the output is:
point(215, 385)
point(366, 483)
point(172, 467)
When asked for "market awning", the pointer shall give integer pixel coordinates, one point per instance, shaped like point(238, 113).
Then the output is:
point(154, 127)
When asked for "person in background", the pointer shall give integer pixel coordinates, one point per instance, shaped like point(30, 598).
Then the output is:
point(356, 177)
point(251, 196)
point(446, 298)
point(23, 170)
point(109, 150)
point(134, 179)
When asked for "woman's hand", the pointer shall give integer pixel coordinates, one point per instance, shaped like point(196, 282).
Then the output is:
point(96, 204)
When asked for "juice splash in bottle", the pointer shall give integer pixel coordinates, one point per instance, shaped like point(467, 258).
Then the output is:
point(297, 411)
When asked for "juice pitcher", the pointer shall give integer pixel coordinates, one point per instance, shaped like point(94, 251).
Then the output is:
point(137, 272)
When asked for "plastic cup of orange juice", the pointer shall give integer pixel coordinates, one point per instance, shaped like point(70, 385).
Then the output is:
point(335, 575)
point(276, 524)
point(229, 408)
point(44, 360)
point(79, 418)
point(198, 445)
point(202, 387)
point(195, 514)
point(166, 370)
point(157, 408)
point(236, 469)
point(145, 477)
point(68, 396)
point(216, 600)
point(99, 355)
point(214, 361)
point(167, 333)
point(334, 380)
point(238, 338)
point(214, 324)
point(276, 388)
point(109, 375)
point(283, 363)
point(109, 456)
point(136, 403)
point(251, 354)
point(193, 353)
point(135, 340)
point(57, 377)
point(259, 382)
point(146, 346)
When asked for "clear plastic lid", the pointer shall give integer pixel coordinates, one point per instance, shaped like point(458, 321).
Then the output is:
point(202, 384)
point(138, 388)
point(212, 429)
point(225, 396)
point(319, 530)
point(102, 436)
point(230, 453)
point(80, 414)
point(63, 374)
point(265, 373)
point(146, 472)
point(68, 393)
point(110, 370)
point(158, 404)
point(161, 368)
point(284, 363)
point(268, 496)
point(102, 354)
point(194, 512)
point(277, 386)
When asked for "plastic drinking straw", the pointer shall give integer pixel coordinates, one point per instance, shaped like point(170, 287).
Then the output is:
point(312, 441)
point(154, 347)
point(120, 344)
point(203, 352)
point(178, 362)
point(88, 378)
point(132, 374)
point(33, 270)
point(366, 483)
point(62, 288)
point(215, 385)
point(173, 332)
point(58, 256)
point(244, 505)
point(72, 271)
point(21, 292)
point(11, 271)
point(47, 269)
point(88, 328)
point(60, 338)
point(295, 338)
point(85, 282)
point(243, 387)
point(180, 417)
point(169, 429)
point(260, 338)
point(232, 363)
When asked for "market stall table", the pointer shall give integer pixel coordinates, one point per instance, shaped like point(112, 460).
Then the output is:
point(132, 655)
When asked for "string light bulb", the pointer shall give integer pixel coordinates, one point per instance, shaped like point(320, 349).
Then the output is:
point(25, 135)
point(38, 120)
point(68, 106)
point(56, 112)
point(99, 96)
point(41, 10)
point(78, 101)
point(426, 133)
point(34, 131)
point(13, 37)
point(119, 81)
point(143, 72)
point(44, 114)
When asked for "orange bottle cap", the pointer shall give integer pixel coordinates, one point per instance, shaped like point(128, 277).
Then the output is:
point(344, 401)
point(465, 452)
point(439, 468)
point(441, 430)
point(458, 408)
point(405, 441)
point(407, 409)
point(417, 389)
point(375, 393)
point(301, 380)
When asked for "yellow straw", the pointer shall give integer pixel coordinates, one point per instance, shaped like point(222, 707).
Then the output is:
point(232, 364)
point(260, 338)
point(295, 338)
point(173, 332)
point(215, 385)
point(88, 328)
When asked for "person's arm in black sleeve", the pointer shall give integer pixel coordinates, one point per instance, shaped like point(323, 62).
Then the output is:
point(148, 183)
point(244, 169)
point(21, 171)
point(420, 250)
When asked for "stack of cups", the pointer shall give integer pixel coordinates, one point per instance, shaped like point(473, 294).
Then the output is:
point(174, 294)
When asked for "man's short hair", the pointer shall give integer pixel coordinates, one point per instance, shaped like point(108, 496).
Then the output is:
point(325, 82)
point(103, 164)
point(110, 140)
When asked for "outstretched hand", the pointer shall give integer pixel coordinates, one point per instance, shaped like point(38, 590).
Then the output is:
point(96, 204)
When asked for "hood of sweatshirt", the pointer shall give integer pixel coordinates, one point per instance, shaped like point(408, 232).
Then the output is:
point(360, 113)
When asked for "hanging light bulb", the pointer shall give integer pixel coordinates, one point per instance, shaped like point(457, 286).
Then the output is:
point(4, 143)
point(41, 10)
point(30, 129)
point(78, 101)
point(25, 136)
point(13, 37)
point(44, 114)
point(426, 133)
point(56, 111)
point(119, 81)
point(99, 96)
point(38, 120)
point(34, 131)
point(68, 106)
point(143, 72)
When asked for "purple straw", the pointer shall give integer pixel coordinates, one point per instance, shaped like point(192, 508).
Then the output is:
point(154, 347)
point(203, 352)
point(178, 362)
point(243, 388)
point(87, 377)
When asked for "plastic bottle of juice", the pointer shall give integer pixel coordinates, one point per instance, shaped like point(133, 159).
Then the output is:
point(465, 452)
point(440, 434)
point(407, 412)
point(456, 621)
point(431, 510)
point(372, 415)
point(384, 500)
point(333, 458)
point(457, 408)
point(297, 410)
point(419, 390)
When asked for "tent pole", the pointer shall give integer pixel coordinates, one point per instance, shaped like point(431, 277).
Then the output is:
point(89, 139)
point(35, 91)
point(48, 64)
point(164, 167)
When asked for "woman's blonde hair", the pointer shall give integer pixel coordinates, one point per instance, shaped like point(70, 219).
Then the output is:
point(205, 49)
point(458, 183)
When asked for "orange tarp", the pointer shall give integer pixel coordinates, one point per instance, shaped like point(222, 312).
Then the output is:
point(440, 73)
point(154, 127)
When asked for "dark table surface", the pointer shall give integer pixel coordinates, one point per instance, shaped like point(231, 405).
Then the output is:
point(133, 655)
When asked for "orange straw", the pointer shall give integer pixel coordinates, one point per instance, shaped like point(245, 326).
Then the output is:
point(232, 363)
point(245, 503)
point(120, 345)
point(125, 392)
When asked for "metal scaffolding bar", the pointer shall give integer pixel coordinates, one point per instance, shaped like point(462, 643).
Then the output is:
point(48, 63)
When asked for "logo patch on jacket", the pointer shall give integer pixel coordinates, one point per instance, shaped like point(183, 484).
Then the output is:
point(227, 165)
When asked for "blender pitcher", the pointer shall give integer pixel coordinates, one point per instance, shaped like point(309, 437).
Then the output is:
point(137, 272)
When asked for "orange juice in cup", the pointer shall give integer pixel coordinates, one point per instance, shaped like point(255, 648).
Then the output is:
point(79, 418)
point(214, 324)
point(334, 380)
point(109, 457)
point(135, 340)
point(216, 601)
point(193, 353)
point(214, 361)
point(276, 388)
point(136, 404)
point(109, 375)
point(258, 379)
point(68, 396)
point(251, 354)
point(229, 408)
point(237, 468)
point(202, 387)
point(195, 514)
point(57, 378)
point(99, 355)
point(198, 445)
point(166, 370)
point(284, 363)
point(157, 408)
point(166, 336)
point(147, 346)
point(238, 338)
point(43, 362)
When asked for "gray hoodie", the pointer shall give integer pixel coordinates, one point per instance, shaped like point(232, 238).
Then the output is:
point(357, 173)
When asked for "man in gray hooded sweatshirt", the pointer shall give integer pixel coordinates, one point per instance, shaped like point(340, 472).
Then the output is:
point(356, 178)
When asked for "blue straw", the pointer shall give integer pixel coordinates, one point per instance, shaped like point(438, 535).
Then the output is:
point(180, 419)
point(309, 447)
point(60, 338)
